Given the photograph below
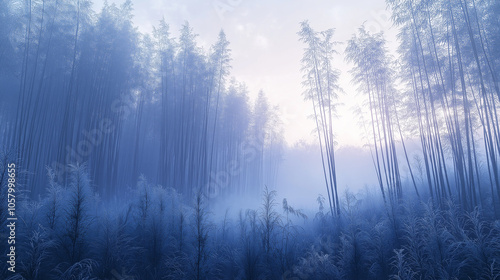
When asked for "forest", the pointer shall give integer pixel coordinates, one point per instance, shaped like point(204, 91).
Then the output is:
point(133, 155)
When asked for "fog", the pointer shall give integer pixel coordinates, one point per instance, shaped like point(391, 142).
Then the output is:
point(249, 140)
point(301, 177)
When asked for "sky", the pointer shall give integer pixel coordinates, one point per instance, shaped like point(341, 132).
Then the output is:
point(266, 51)
point(266, 54)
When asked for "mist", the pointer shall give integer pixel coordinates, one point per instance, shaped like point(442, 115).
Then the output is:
point(301, 177)
point(239, 140)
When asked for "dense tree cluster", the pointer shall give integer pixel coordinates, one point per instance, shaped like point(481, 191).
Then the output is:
point(444, 96)
point(450, 58)
point(85, 87)
point(93, 108)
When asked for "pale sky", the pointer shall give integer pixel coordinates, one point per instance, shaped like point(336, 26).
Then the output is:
point(266, 51)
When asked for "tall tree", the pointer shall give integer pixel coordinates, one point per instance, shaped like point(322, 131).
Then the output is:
point(321, 83)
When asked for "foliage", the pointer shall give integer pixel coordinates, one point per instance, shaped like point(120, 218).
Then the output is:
point(127, 240)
